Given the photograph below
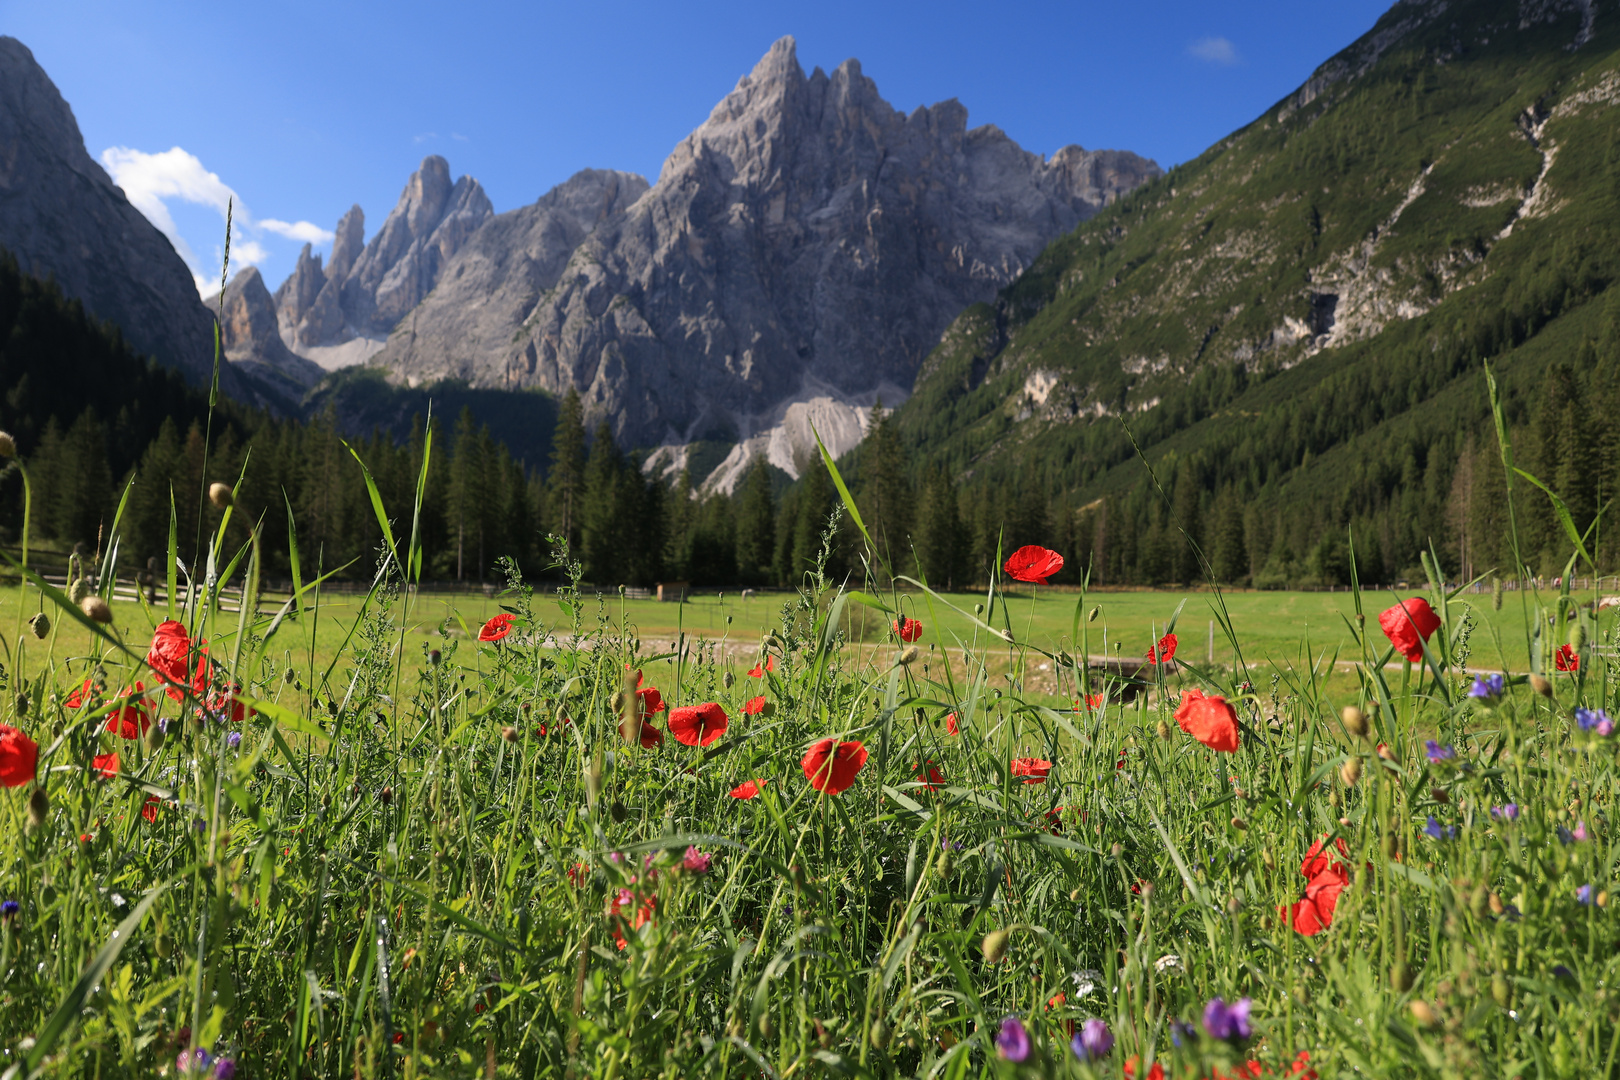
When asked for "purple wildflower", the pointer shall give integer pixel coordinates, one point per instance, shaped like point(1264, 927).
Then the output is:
point(225, 1069)
point(696, 861)
point(193, 1062)
point(1182, 1031)
point(233, 740)
point(1439, 752)
point(1509, 812)
point(9, 909)
point(1486, 687)
point(1435, 831)
point(1012, 1041)
point(1580, 832)
point(1584, 894)
point(1093, 1041)
point(1595, 720)
point(1565, 836)
point(1229, 1022)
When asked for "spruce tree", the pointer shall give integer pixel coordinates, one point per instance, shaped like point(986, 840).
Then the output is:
point(885, 489)
point(566, 477)
point(601, 548)
point(939, 533)
point(756, 525)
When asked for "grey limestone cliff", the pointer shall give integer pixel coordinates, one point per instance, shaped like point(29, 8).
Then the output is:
point(63, 217)
point(252, 342)
point(807, 239)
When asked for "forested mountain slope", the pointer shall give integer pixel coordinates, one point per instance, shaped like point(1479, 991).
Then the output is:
point(1293, 326)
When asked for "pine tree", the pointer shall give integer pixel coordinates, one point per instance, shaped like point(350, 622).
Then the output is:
point(756, 525)
point(566, 477)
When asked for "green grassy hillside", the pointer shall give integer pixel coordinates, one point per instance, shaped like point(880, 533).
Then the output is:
point(1293, 326)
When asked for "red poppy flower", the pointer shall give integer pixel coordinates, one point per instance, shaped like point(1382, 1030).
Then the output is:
point(1316, 861)
point(932, 779)
point(1566, 659)
point(1184, 710)
point(1091, 703)
point(497, 627)
point(131, 719)
point(170, 655)
point(577, 874)
point(650, 736)
point(1033, 564)
point(652, 702)
point(79, 696)
point(698, 725)
point(758, 670)
point(1054, 818)
point(1164, 652)
point(1155, 1071)
point(755, 706)
point(150, 810)
point(1212, 722)
point(908, 630)
point(1314, 913)
point(1408, 625)
point(106, 765)
point(19, 757)
point(1032, 769)
point(952, 726)
point(748, 789)
point(830, 765)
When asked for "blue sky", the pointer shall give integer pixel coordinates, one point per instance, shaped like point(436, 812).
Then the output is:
point(302, 108)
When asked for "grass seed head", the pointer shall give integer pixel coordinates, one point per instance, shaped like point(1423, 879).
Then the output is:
point(96, 608)
point(220, 495)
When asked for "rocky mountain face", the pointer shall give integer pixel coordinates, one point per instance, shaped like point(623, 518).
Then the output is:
point(807, 244)
point(252, 339)
point(369, 288)
point(63, 217)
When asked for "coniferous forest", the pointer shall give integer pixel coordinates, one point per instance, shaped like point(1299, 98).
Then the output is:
point(127, 421)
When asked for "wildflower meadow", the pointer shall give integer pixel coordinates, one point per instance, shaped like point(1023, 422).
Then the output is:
point(539, 846)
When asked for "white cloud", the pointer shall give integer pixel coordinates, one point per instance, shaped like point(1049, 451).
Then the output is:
point(151, 181)
point(1217, 50)
point(305, 231)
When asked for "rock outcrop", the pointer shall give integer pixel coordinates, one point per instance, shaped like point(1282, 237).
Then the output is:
point(252, 341)
point(807, 238)
point(63, 217)
point(367, 288)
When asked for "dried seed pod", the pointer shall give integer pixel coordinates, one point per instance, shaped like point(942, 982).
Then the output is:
point(221, 495)
point(96, 608)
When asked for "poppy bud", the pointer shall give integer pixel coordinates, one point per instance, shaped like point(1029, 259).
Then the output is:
point(978, 609)
point(22, 705)
point(1496, 595)
point(727, 680)
point(1400, 977)
point(1075, 894)
point(1269, 859)
point(1577, 635)
point(1441, 795)
point(1422, 1014)
point(1116, 851)
point(434, 656)
point(1385, 753)
point(1234, 905)
point(1497, 907)
point(1480, 902)
point(765, 1025)
point(220, 495)
point(40, 624)
point(1239, 824)
point(995, 946)
point(1540, 685)
point(1392, 846)
point(164, 946)
point(1091, 616)
point(154, 736)
point(1350, 772)
point(909, 656)
point(1499, 989)
point(96, 608)
point(1163, 730)
point(78, 590)
point(1603, 899)
point(39, 807)
point(509, 733)
point(386, 795)
point(880, 1034)
point(618, 811)
point(8, 445)
point(1355, 722)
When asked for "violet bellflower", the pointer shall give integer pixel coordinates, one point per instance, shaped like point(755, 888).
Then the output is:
point(1012, 1041)
point(1093, 1041)
point(1486, 687)
point(1228, 1022)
